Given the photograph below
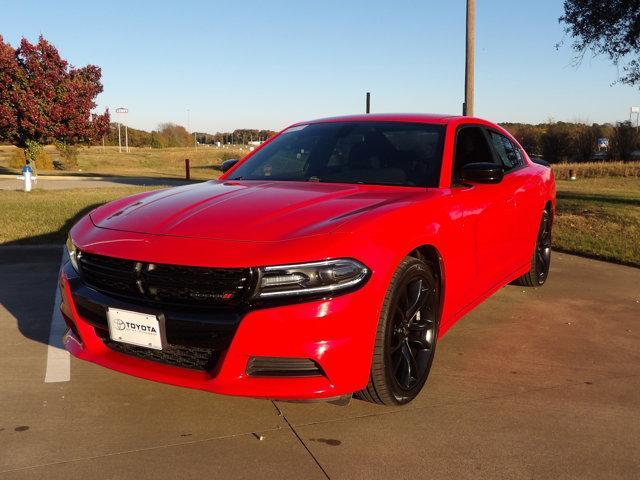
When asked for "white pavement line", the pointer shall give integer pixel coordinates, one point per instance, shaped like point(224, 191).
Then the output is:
point(58, 360)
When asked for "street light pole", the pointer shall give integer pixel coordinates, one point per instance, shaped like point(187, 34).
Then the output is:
point(467, 108)
point(120, 111)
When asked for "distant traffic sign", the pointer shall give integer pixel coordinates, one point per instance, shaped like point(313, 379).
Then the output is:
point(122, 110)
point(635, 109)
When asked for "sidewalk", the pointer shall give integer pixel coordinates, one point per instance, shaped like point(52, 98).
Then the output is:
point(60, 182)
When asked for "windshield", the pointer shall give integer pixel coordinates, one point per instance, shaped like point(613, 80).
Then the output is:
point(376, 153)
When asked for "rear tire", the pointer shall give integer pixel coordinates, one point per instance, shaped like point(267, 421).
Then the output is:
point(541, 258)
point(406, 336)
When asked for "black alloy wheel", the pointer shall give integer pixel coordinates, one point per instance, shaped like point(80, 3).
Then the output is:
point(412, 336)
point(407, 335)
point(543, 248)
point(541, 259)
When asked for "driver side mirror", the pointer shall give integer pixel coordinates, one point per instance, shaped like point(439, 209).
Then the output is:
point(227, 164)
point(482, 172)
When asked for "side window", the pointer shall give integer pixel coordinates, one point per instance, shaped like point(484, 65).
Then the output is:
point(471, 147)
point(509, 154)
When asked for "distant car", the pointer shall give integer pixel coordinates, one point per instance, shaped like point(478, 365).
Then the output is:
point(325, 263)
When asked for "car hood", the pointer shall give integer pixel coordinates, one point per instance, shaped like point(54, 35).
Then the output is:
point(250, 210)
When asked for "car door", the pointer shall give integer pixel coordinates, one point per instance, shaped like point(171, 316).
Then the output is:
point(524, 185)
point(489, 213)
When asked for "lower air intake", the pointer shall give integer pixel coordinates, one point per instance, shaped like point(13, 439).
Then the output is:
point(283, 367)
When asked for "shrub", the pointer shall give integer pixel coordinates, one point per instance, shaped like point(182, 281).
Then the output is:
point(69, 153)
point(17, 159)
point(624, 141)
point(557, 142)
point(37, 156)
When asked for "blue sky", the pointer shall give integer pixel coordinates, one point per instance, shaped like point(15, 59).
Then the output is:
point(253, 64)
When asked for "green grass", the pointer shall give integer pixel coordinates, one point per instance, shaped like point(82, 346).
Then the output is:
point(139, 162)
point(596, 217)
point(599, 218)
point(45, 216)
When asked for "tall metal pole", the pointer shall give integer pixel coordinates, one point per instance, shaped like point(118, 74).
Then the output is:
point(119, 141)
point(126, 139)
point(368, 107)
point(467, 108)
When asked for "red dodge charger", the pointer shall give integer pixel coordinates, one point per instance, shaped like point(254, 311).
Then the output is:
point(326, 263)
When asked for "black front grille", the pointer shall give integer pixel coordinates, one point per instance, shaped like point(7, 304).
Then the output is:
point(167, 284)
point(194, 358)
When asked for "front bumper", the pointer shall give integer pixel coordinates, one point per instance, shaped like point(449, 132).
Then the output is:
point(337, 334)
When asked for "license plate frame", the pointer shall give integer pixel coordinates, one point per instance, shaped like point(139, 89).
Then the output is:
point(136, 328)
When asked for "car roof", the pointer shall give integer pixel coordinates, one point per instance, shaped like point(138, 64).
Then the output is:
point(390, 117)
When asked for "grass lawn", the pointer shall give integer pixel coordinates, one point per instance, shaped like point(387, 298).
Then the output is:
point(596, 217)
point(600, 218)
point(139, 162)
point(45, 216)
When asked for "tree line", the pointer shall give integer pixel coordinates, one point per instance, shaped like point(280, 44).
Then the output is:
point(577, 142)
point(44, 100)
point(168, 135)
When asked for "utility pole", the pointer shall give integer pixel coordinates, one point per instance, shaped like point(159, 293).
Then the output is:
point(368, 104)
point(467, 108)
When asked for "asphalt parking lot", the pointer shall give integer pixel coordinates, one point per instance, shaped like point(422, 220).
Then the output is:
point(532, 384)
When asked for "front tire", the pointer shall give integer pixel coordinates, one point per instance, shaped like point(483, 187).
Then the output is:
point(541, 259)
point(406, 336)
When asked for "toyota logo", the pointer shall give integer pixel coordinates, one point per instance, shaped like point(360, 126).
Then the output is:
point(119, 324)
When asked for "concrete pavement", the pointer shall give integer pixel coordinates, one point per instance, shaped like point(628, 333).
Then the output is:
point(538, 383)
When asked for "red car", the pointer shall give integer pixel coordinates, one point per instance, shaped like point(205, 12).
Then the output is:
point(325, 263)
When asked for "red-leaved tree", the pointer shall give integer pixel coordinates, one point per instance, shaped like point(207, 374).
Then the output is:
point(43, 99)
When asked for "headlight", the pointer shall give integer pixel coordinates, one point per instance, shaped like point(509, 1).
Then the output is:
point(313, 278)
point(74, 253)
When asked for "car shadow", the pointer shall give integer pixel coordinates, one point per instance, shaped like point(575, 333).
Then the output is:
point(29, 269)
point(29, 281)
point(594, 197)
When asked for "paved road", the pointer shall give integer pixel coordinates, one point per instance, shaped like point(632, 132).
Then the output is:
point(59, 183)
point(533, 384)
